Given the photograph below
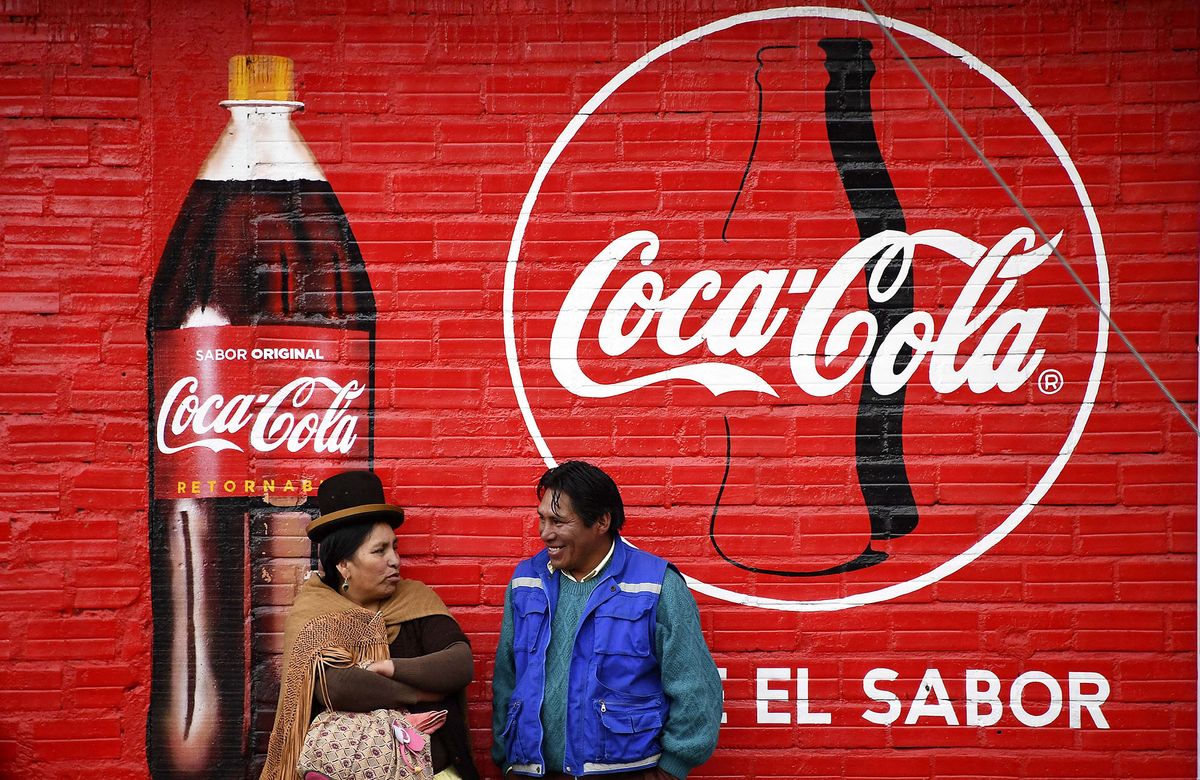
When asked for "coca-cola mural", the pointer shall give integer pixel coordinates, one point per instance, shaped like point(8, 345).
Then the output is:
point(261, 332)
point(938, 519)
point(764, 266)
point(827, 324)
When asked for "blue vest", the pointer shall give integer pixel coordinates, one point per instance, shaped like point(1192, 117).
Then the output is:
point(615, 702)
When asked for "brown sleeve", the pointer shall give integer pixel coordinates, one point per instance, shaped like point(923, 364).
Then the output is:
point(358, 690)
point(429, 654)
point(426, 635)
point(444, 671)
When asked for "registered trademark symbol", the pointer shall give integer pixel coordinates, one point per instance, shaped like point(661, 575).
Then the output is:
point(1050, 381)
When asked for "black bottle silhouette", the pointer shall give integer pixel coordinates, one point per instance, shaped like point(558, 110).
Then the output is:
point(882, 475)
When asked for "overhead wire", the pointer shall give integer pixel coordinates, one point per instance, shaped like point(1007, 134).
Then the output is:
point(1028, 216)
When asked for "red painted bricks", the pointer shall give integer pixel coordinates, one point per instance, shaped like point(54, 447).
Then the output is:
point(431, 126)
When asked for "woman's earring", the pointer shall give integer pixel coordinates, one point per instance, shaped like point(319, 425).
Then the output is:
point(346, 585)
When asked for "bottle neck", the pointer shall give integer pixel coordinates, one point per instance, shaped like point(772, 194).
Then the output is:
point(261, 142)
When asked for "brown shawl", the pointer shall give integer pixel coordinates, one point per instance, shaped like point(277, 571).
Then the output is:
point(326, 629)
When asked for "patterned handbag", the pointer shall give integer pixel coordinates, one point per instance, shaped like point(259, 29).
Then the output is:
point(376, 745)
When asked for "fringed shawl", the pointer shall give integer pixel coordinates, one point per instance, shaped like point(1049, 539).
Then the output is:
point(325, 629)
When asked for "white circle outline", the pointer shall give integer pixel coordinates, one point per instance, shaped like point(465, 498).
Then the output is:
point(969, 60)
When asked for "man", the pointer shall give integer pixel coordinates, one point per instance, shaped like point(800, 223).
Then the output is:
point(601, 668)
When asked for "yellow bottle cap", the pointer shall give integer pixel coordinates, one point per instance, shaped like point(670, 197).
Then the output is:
point(261, 77)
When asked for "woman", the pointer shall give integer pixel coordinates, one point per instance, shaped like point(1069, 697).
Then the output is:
point(360, 638)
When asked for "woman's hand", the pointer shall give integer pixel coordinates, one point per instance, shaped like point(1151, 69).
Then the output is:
point(385, 668)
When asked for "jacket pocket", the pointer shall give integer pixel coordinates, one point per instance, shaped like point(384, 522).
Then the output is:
point(531, 619)
point(624, 627)
point(512, 748)
point(629, 732)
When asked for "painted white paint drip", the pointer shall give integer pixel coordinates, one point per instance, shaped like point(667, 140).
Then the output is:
point(204, 317)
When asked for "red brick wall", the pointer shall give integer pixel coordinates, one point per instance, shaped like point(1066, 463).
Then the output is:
point(431, 123)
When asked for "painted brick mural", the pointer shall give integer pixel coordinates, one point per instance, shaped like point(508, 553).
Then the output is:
point(939, 519)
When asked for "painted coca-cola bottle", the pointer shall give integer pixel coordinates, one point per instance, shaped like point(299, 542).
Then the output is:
point(261, 335)
point(879, 429)
point(879, 422)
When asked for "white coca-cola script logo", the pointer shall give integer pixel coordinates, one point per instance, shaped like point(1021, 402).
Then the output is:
point(187, 420)
point(644, 292)
point(633, 315)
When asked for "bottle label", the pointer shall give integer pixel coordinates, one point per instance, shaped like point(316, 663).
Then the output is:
point(265, 410)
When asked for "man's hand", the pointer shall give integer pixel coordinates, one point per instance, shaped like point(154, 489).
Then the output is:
point(386, 668)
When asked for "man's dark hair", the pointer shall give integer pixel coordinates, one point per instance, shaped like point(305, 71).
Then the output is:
point(592, 492)
point(340, 545)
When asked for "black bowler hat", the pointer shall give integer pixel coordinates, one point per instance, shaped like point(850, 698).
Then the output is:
point(351, 497)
